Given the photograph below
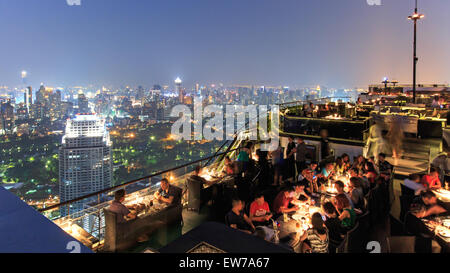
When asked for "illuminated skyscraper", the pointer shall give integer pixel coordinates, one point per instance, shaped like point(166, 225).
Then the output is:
point(179, 90)
point(28, 98)
point(85, 160)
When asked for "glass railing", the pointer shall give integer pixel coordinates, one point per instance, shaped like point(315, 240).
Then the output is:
point(88, 224)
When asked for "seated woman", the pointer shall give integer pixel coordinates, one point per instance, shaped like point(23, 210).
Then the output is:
point(236, 218)
point(260, 214)
point(120, 209)
point(340, 167)
point(370, 173)
point(359, 163)
point(316, 239)
point(346, 213)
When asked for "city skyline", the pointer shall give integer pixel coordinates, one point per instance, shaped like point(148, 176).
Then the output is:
point(232, 42)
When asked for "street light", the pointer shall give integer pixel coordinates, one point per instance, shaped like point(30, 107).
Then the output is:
point(415, 17)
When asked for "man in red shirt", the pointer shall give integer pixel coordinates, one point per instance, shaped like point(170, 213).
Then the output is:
point(259, 211)
point(431, 180)
point(282, 201)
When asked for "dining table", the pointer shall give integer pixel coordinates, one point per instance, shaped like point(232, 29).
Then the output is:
point(440, 227)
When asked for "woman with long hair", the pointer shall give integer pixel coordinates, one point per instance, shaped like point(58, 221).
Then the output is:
point(346, 213)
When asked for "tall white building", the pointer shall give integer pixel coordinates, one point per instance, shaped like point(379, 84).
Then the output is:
point(85, 160)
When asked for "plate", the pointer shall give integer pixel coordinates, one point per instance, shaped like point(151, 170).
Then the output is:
point(446, 223)
point(444, 233)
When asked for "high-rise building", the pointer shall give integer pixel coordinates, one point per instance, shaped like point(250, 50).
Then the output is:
point(85, 160)
point(179, 90)
point(83, 104)
point(28, 98)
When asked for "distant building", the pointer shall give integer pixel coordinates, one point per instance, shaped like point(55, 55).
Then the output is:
point(85, 160)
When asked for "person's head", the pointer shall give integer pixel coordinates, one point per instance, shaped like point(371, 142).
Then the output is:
point(311, 105)
point(198, 170)
point(298, 140)
point(434, 171)
point(381, 157)
point(414, 177)
point(329, 209)
point(313, 165)
point(259, 198)
point(300, 187)
point(360, 159)
point(428, 198)
point(227, 160)
point(290, 139)
point(164, 184)
point(237, 204)
point(317, 223)
point(289, 192)
point(339, 186)
point(324, 133)
point(119, 195)
point(329, 166)
point(355, 182)
point(345, 157)
point(342, 201)
point(339, 161)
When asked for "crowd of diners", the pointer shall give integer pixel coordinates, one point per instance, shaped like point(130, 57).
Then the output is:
point(293, 179)
point(296, 179)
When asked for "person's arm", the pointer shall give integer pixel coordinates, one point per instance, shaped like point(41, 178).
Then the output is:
point(167, 200)
point(345, 214)
point(304, 236)
point(249, 221)
point(286, 210)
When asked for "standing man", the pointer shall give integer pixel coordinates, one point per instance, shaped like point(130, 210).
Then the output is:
point(300, 155)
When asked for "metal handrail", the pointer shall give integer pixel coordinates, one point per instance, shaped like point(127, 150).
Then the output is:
point(131, 182)
point(313, 100)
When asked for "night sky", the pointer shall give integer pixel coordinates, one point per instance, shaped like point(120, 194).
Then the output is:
point(344, 43)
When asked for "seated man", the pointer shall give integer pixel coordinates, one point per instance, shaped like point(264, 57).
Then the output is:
point(427, 204)
point(120, 209)
point(328, 171)
point(236, 218)
point(431, 180)
point(340, 188)
point(260, 214)
point(300, 193)
point(283, 200)
point(196, 176)
point(311, 175)
point(413, 183)
point(168, 194)
point(384, 167)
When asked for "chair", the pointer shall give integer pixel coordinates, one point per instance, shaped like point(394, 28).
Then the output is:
point(353, 240)
point(341, 248)
point(405, 204)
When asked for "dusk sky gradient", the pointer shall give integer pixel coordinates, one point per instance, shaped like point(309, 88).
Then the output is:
point(344, 43)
